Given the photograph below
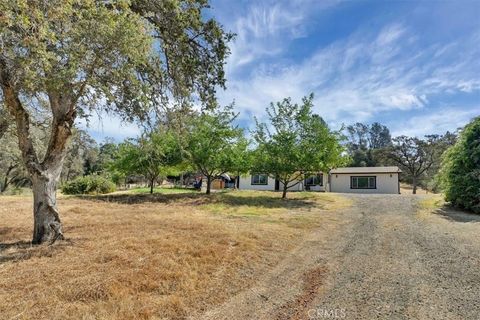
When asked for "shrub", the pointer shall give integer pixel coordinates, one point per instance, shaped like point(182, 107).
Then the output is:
point(88, 185)
point(460, 173)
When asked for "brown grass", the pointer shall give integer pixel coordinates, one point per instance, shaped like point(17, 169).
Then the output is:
point(406, 188)
point(148, 257)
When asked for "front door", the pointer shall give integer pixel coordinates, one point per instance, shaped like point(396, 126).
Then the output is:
point(277, 185)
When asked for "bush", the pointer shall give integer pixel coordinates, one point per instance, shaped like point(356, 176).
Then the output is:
point(88, 185)
point(460, 173)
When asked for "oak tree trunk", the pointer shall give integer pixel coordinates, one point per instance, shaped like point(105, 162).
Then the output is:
point(44, 174)
point(414, 182)
point(47, 224)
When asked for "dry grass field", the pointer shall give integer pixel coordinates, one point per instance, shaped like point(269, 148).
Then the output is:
point(406, 188)
point(161, 256)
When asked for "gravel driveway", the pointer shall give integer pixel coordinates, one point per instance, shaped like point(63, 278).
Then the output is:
point(392, 264)
point(383, 262)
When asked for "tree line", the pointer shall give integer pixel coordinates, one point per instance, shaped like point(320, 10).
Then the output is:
point(292, 143)
point(371, 145)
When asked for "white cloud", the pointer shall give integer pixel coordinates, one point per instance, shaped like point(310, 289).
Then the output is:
point(108, 125)
point(436, 121)
point(266, 28)
point(390, 34)
point(358, 78)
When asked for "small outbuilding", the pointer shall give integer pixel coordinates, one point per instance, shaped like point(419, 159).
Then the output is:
point(365, 180)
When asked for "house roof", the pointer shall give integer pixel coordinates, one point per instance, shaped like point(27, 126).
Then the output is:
point(392, 169)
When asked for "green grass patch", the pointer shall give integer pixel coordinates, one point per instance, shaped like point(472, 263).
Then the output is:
point(432, 202)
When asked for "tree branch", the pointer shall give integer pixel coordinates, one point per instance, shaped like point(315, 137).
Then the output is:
point(22, 121)
point(64, 115)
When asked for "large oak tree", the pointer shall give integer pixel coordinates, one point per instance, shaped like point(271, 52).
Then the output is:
point(75, 57)
point(416, 156)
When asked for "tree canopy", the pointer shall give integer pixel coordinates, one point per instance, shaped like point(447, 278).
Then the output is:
point(366, 143)
point(460, 171)
point(150, 155)
point(294, 143)
point(417, 156)
point(214, 145)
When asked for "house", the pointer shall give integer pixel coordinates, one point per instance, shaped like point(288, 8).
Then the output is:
point(260, 181)
point(344, 180)
point(365, 180)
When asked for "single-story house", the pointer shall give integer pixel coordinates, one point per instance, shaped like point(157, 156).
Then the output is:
point(344, 180)
point(365, 180)
point(261, 181)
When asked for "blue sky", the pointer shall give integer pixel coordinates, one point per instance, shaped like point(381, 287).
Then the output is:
point(411, 65)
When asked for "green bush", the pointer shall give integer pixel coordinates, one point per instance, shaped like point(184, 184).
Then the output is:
point(88, 185)
point(460, 173)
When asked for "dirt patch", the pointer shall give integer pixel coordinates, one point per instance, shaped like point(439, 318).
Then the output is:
point(293, 280)
point(296, 309)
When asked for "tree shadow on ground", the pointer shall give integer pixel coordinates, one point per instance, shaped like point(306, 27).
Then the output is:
point(15, 245)
point(24, 250)
point(453, 214)
point(224, 198)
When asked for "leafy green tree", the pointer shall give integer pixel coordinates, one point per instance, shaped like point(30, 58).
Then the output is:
point(430, 179)
point(241, 157)
point(366, 143)
point(107, 153)
point(460, 172)
point(300, 143)
point(358, 135)
point(71, 57)
point(415, 156)
point(379, 136)
point(81, 158)
point(150, 156)
point(213, 143)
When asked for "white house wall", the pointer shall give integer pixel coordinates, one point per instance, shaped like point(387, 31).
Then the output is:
point(386, 183)
point(245, 183)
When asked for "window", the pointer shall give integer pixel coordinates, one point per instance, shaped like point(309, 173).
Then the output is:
point(315, 180)
point(363, 182)
point(260, 179)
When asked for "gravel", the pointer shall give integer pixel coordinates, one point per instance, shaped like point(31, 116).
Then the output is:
point(379, 260)
point(393, 265)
